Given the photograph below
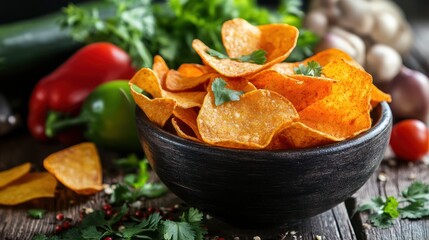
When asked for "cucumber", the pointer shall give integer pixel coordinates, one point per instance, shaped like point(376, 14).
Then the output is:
point(28, 42)
point(31, 49)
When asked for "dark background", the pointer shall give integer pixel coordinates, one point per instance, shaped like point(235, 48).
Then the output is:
point(22, 9)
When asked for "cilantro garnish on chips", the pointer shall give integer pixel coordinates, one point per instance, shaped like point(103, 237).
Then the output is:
point(222, 94)
point(257, 56)
point(312, 68)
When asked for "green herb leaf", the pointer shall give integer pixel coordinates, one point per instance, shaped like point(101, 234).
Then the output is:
point(129, 162)
point(177, 231)
point(223, 94)
point(153, 190)
point(95, 226)
point(132, 22)
point(381, 220)
point(313, 68)
point(413, 204)
point(391, 207)
point(195, 217)
point(36, 213)
point(216, 54)
point(91, 232)
point(416, 191)
point(414, 210)
point(257, 56)
point(40, 237)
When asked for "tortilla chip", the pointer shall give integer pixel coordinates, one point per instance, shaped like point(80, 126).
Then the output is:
point(378, 96)
point(250, 122)
point(194, 70)
point(147, 80)
point(14, 173)
point(323, 58)
point(183, 130)
point(340, 113)
point(159, 109)
point(160, 67)
point(186, 99)
point(298, 135)
point(176, 81)
point(301, 90)
point(189, 117)
point(241, 38)
point(77, 167)
point(28, 187)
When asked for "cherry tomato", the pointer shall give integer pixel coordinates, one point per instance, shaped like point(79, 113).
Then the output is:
point(410, 140)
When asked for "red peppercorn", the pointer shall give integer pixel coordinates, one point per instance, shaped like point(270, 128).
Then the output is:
point(107, 207)
point(66, 224)
point(138, 214)
point(150, 209)
point(58, 228)
point(109, 212)
point(59, 216)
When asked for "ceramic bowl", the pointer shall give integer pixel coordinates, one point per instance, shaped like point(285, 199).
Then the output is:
point(261, 188)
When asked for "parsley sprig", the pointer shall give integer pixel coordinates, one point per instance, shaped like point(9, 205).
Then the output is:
point(257, 56)
point(312, 68)
point(135, 185)
point(96, 226)
point(412, 204)
point(222, 94)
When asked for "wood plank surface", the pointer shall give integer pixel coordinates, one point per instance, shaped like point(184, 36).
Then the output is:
point(16, 225)
point(398, 175)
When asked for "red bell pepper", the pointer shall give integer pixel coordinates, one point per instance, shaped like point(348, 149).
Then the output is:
point(65, 89)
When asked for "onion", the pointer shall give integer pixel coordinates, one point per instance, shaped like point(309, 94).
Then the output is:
point(410, 95)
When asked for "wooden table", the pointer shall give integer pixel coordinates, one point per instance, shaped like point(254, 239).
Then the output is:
point(337, 223)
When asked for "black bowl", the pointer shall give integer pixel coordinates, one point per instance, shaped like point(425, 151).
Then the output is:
point(264, 189)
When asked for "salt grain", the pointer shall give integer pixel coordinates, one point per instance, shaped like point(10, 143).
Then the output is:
point(382, 177)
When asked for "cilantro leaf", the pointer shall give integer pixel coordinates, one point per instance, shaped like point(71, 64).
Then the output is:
point(374, 205)
point(91, 232)
point(312, 68)
point(391, 207)
point(177, 231)
point(194, 217)
point(381, 220)
point(216, 54)
point(414, 210)
point(36, 213)
point(147, 225)
point(257, 56)
point(96, 226)
point(152, 190)
point(131, 161)
point(412, 204)
point(416, 191)
point(223, 94)
point(140, 179)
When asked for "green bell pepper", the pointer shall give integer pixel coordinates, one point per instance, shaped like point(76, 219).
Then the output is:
point(108, 115)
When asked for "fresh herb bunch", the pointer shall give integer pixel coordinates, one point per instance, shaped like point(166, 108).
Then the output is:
point(143, 28)
point(412, 204)
point(97, 226)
